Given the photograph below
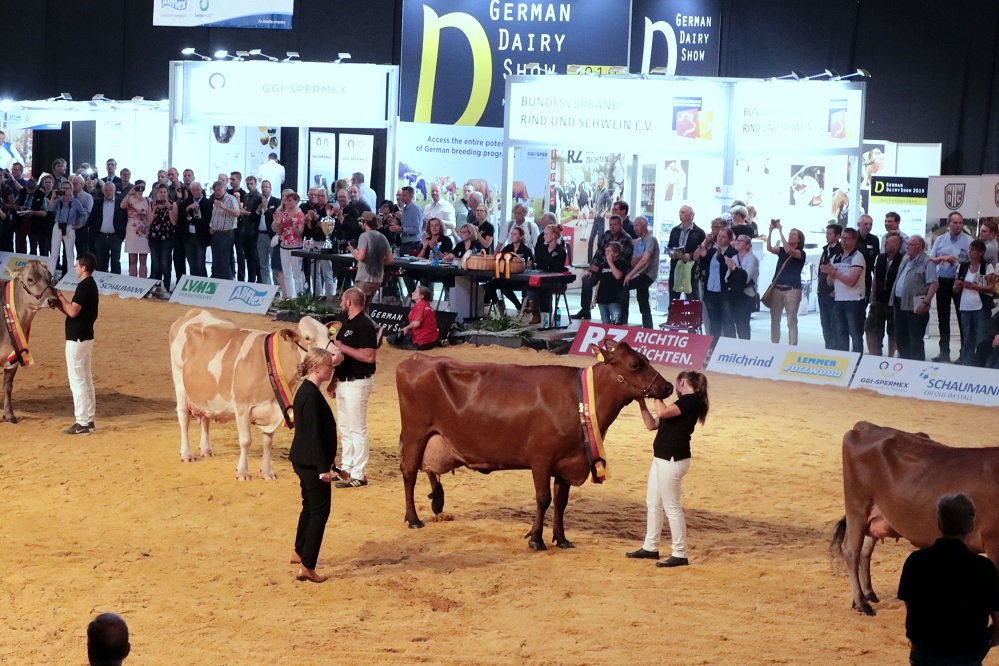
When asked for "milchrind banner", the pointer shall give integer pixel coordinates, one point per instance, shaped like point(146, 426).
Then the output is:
point(224, 294)
point(269, 14)
point(783, 362)
point(928, 381)
point(683, 350)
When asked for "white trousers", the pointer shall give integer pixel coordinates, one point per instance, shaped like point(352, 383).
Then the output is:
point(79, 355)
point(58, 241)
point(291, 268)
point(662, 498)
point(352, 419)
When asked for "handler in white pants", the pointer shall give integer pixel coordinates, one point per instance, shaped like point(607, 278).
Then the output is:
point(81, 313)
point(69, 213)
point(674, 425)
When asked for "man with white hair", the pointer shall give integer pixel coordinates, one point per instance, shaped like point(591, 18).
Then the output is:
point(462, 208)
point(519, 220)
point(442, 209)
point(368, 195)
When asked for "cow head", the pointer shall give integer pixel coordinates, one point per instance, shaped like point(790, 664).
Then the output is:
point(36, 279)
point(310, 333)
point(633, 371)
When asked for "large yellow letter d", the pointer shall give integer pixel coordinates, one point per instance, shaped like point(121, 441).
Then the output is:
point(482, 65)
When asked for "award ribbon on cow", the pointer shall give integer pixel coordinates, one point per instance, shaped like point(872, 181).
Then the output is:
point(593, 439)
point(18, 339)
point(282, 392)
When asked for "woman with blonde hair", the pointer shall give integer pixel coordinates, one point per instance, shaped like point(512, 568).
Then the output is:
point(787, 281)
point(313, 451)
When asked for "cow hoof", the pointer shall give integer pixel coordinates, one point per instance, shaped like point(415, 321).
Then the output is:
point(565, 544)
point(208, 454)
point(11, 419)
point(271, 476)
point(242, 477)
point(436, 498)
point(537, 545)
point(187, 458)
point(873, 598)
point(864, 608)
point(416, 524)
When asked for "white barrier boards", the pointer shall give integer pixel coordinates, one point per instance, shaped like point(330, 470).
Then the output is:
point(811, 365)
point(110, 284)
point(224, 294)
point(11, 262)
point(928, 381)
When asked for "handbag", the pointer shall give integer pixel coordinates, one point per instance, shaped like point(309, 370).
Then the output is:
point(768, 296)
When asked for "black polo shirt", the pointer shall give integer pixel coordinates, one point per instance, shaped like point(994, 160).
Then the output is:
point(673, 437)
point(949, 592)
point(359, 333)
point(81, 327)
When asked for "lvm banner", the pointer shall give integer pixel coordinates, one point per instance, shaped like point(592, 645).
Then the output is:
point(269, 14)
point(224, 294)
point(928, 381)
point(684, 350)
point(783, 362)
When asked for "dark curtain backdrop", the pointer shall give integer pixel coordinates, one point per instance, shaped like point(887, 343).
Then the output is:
point(934, 65)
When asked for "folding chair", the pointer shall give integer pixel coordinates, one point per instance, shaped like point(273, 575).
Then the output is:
point(684, 316)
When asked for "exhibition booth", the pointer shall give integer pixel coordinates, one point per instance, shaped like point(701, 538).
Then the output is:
point(229, 115)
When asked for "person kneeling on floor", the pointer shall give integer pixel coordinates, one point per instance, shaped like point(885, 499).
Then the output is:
point(421, 333)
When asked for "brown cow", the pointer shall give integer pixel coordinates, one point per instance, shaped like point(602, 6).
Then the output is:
point(520, 191)
point(220, 372)
point(490, 417)
point(481, 186)
point(31, 283)
point(891, 483)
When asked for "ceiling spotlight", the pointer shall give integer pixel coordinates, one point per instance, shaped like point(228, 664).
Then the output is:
point(257, 52)
point(292, 56)
point(860, 73)
point(189, 51)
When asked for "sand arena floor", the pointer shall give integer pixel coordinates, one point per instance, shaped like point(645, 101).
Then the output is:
point(197, 562)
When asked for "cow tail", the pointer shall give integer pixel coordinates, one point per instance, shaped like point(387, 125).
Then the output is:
point(836, 546)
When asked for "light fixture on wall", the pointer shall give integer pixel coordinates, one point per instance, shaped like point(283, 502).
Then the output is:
point(793, 76)
point(241, 56)
point(99, 97)
point(860, 73)
point(340, 57)
point(189, 51)
point(292, 56)
point(222, 54)
point(138, 98)
point(832, 74)
point(61, 97)
point(258, 52)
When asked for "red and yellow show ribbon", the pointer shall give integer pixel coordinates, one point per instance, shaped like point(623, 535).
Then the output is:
point(591, 428)
point(282, 391)
point(503, 262)
point(18, 338)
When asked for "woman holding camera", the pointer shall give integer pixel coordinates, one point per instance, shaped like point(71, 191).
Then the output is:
point(714, 273)
point(674, 424)
point(162, 225)
point(136, 238)
point(787, 281)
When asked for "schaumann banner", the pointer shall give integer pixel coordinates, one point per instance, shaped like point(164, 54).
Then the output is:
point(456, 54)
point(928, 381)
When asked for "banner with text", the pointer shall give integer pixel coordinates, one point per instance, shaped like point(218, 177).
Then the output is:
point(224, 294)
point(783, 362)
point(322, 159)
point(928, 381)
point(12, 262)
point(897, 194)
point(682, 350)
point(269, 14)
point(111, 284)
point(952, 194)
point(456, 54)
point(682, 37)
point(356, 151)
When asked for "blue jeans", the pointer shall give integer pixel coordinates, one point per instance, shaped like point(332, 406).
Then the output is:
point(826, 317)
point(223, 244)
point(610, 313)
point(160, 254)
point(107, 247)
point(848, 320)
point(720, 321)
point(973, 325)
point(195, 252)
point(909, 331)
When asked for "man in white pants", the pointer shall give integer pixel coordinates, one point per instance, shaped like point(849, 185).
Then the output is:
point(352, 384)
point(81, 313)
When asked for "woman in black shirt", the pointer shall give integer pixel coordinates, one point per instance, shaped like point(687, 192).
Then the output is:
point(312, 453)
point(787, 281)
point(674, 424)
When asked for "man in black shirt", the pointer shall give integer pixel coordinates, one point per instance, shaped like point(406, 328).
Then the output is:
point(81, 313)
point(824, 290)
point(352, 385)
point(950, 593)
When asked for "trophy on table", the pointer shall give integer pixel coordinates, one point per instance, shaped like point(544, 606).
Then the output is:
point(326, 224)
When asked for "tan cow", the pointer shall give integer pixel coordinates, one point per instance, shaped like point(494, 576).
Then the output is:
point(892, 480)
point(220, 373)
point(27, 292)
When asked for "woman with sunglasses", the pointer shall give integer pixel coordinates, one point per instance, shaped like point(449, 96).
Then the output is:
point(136, 233)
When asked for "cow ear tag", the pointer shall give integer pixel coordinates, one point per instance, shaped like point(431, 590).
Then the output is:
point(600, 356)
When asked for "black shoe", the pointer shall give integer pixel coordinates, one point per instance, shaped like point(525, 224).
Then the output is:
point(77, 429)
point(642, 554)
point(942, 358)
point(672, 561)
point(353, 483)
point(582, 314)
point(91, 426)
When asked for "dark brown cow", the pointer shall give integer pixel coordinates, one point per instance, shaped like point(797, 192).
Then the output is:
point(31, 284)
point(891, 483)
point(490, 417)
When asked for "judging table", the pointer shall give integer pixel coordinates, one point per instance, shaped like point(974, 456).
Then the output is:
point(466, 298)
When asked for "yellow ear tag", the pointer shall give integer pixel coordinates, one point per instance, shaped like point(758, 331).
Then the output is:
point(600, 356)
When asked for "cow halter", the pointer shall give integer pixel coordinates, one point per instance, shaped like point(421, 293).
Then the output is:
point(645, 391)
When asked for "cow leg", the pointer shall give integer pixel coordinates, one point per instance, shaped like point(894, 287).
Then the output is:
point(8, 389)
point(184, 418)
point(561, 501)
point(866, 587)
point(543, 496)
point(856, 526)
point(265, 467)
point(245, 439)
point(410, 468)
point(206, 442)
point(436, 495)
